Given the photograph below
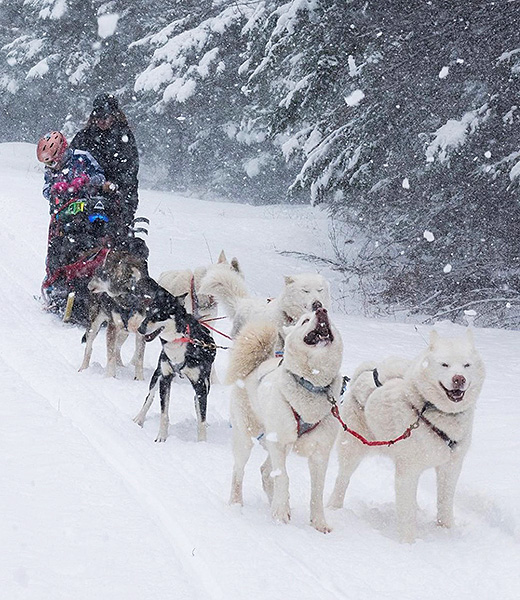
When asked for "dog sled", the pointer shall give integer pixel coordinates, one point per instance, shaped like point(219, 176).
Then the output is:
point(81, 233)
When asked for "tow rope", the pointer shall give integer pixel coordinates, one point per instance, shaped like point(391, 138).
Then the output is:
point(205, 323)
point(335, 413)
point(185, 339)
point(406, 434)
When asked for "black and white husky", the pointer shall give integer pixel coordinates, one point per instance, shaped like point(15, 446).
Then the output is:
point(188, 350)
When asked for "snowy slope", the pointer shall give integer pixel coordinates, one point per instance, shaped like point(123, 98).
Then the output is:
point(92, 508)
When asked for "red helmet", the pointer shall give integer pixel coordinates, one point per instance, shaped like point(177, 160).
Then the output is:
point(51, 147)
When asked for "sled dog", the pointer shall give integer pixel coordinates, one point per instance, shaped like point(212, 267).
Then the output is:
point(109, 289)
point(436, 395)
point(286, 405)
point(188, 351)
point(185, 284)
point(301, 293)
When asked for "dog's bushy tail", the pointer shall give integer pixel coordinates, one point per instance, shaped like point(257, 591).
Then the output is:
point(226, 284)
point(254, 345)
point(370, 375)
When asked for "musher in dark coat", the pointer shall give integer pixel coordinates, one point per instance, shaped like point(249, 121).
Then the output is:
point(108, 137)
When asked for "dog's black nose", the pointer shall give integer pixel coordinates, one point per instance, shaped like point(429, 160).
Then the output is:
point(315, 305)
point(459, 381)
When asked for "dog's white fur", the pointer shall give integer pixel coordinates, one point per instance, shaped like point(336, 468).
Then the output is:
point(183, 284)
point(263, 396)
point(299, 294)
point(383, 413)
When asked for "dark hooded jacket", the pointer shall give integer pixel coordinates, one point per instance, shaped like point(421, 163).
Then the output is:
point(115, 149)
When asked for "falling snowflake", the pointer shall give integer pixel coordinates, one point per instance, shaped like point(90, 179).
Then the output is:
point(354, 98)
point(444, 72)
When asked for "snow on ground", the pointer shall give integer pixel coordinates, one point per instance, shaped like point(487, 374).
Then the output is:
point(92, 508)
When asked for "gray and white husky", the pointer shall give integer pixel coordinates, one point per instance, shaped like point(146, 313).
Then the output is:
point(286, 405)
point(109, 290)
point(436, 394)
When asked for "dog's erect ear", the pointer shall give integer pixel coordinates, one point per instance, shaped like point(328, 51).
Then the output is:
point(288, 279)
point(235, 266)
point(434, 338)
point(222, 257)
point(469, 336)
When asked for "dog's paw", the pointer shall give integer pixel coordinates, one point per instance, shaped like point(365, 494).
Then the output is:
point(139, 420)
point(201, 433)
point(447, 523)
point(407, 537)
point(236, 498)
point(321, 526)
point(161, 438)
point(281, 514)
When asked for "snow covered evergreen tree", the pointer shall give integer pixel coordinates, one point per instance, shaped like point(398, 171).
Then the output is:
point(401, 118)
point(430, 198)
point(193, 91)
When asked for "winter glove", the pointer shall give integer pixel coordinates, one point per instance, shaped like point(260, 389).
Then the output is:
point(78, 182)
point(59, 188)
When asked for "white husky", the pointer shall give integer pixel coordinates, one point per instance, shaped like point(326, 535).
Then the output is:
point(436, 395)
point(301, 293)
point(185, 284)
point(286, 405)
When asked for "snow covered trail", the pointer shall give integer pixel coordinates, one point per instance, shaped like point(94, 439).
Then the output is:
point(92, 508)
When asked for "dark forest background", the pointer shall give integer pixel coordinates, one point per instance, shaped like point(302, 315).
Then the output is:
point(401, 119)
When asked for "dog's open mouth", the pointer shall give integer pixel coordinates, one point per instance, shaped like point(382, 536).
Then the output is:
point(455, 395)
point(149, 337)
point(322, 331)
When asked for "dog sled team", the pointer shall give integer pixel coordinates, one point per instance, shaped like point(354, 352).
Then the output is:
point(288, 392)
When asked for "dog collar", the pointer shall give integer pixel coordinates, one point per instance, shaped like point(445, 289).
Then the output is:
point(310, 387)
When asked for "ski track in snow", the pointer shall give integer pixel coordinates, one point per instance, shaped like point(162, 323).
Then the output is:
point(174, 495)
point(89, 414)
